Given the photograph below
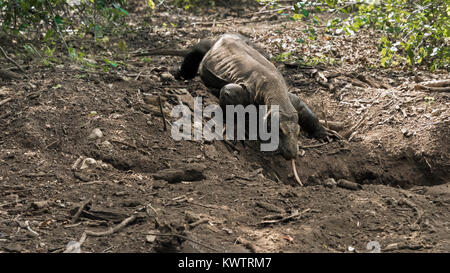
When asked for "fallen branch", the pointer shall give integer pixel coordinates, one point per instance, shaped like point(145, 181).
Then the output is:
point(14, 62)
point(26, 225)
point(76, 163)
point(7, 75)
point(312, 146)
point(272, 10)
point(399, 246)
point(294, 215)
point(162, 51)
point(439, 83)
point(333, 133)
point(110, 231)
point(80, 210)
point(349, 132)
point(5, 101)
point(197, 223)
point(434, 86)
point(333, 125)
point(414, 207)
point(368, 80)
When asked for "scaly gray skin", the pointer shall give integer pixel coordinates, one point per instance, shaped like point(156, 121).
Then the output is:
point(244, 76)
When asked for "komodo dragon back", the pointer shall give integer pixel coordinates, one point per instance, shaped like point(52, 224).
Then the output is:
point(232, 60)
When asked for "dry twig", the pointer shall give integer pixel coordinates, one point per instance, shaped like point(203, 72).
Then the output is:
point(110, 231)
point(294, 215)
point(80, 210)
point(14, 62)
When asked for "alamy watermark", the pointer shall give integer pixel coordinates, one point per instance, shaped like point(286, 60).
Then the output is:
point(213, 128)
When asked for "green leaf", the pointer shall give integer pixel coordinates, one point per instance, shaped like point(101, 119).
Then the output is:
point(296, 17)
point(305, 12)
point(72, 52)
point(111, 63)
point(151, 4)
point(58, 19)
point(123, 11)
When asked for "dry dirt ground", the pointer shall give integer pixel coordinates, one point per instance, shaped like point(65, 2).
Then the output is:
point(58, 180)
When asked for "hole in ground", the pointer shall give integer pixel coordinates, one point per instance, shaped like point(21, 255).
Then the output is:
point(355, 163)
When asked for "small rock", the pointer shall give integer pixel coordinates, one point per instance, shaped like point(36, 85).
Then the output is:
point(167, 77)
point(151, 238)
point(107, 145)
point(227, 230)
point(88, 162)
point(406, 132)
point(30, 154)
point(437, 112)
point(131, 203)
point(96, 133)
point(14, 248)
point(191, 217)
point(82, 176)
point(348, 185)
point(40, 204)
point(329, 183)
point(120, 193)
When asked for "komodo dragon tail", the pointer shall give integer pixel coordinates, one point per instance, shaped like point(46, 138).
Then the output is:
point(192, 57)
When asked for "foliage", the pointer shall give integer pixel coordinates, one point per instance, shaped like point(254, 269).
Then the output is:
point(21, 15)
point(194, 4)
point(54, 19)
point(412, 32)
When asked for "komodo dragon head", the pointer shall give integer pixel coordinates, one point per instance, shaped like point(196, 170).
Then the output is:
point(289, 131)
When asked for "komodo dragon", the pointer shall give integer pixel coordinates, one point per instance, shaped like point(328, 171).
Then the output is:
point(245, 76)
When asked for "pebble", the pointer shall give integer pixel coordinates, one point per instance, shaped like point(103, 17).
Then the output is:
point(329, 183)
point(167, 77)
point(150, 238)
point(96, 133)
point(131, 203)
point(88, 162)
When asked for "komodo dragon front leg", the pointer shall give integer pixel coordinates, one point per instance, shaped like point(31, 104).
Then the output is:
point(307, 120)
point(233, 94)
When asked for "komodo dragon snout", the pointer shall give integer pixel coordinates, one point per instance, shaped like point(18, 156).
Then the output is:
point(289, 132)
